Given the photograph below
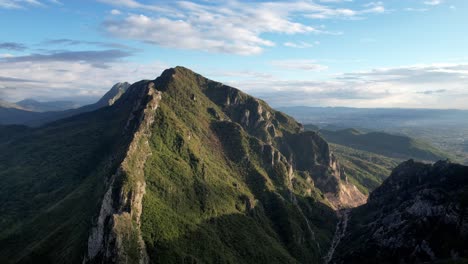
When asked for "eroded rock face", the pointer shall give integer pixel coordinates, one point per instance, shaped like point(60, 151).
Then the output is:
point(417, 215)
point(116, 236)
point(310, 153)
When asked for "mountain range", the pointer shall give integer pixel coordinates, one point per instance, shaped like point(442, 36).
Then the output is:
point(33, 113)
point(183, 169)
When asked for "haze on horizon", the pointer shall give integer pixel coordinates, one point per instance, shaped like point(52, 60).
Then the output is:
point(405, 54)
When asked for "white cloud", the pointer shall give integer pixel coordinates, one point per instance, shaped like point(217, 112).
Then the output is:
point(424, 86)
point(19, 4)
point(234, 26)
point(300, 44)
point(6, 55)
point(59, 79)
point(135, 5)
point(304, 65)
point(433, 2)
point(15, 4)
point(115, 12)
point(411, 9)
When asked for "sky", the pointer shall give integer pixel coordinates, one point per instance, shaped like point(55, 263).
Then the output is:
point(355, 53)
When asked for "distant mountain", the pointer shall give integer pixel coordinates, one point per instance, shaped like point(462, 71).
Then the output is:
point(180, 169)
point(369, 157)
point(395, 146)
point(445, 129)
point(418, 215)
point(36, 106)
point(22, 116)
point(113, 94)
point(376, 118)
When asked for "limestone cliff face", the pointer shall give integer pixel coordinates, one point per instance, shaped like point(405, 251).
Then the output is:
point(116, 236)
point(310, 153)
point(284, 167)
point(306, 152)
point(417, 215)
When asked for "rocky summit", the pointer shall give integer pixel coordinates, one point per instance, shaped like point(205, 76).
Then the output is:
point(183, 169)
point(178, 169)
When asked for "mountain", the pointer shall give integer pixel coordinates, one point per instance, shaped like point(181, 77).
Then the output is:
point(4, 104)
point(180, 169)
point(22, 116)
point(366, 170)
point(418, 215)
point(113, 94)
point(445, 129)
point(394, 146)
point(377, 118)
point(369, 157)
point(36, 106)
point(11, 113)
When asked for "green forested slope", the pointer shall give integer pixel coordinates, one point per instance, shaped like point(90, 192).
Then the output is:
point(395, 146)
point(213, 194)
point(52, 181)
point(364, 169)
point(227, 179)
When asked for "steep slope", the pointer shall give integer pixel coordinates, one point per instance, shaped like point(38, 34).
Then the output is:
point(179, 169)
point(53, 179)
point(23, 116)
point(394, 146)
point(217, 182)
point(419, 214)
point(364, 169)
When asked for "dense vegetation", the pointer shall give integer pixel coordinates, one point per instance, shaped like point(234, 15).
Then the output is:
point(364, 169)
point(211, 194)
point(395, 146)
point(220, 184)
point(52, 183)
point(222, 177)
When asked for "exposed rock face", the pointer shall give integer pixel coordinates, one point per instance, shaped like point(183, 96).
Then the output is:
point(310, 153)
point(417, 215)
point(228, 136)
point(116, 237)
point(306, 152)
point(113, 94)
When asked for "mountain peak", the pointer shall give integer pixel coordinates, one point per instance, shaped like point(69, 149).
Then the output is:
point(113, 94)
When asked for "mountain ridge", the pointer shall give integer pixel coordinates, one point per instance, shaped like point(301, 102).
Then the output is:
point(394, 146)
point(183, 169)
point(13, 114)
point(210, 162)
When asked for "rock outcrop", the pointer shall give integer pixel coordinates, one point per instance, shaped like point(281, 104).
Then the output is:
point(419, 214)
point(180, 169)
point(116, 237)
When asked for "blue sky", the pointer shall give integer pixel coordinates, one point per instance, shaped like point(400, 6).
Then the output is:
point(395, 53)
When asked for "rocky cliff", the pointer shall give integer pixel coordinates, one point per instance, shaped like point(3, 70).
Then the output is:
point(419, 214)
point(116, 237)
point(180, 169)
